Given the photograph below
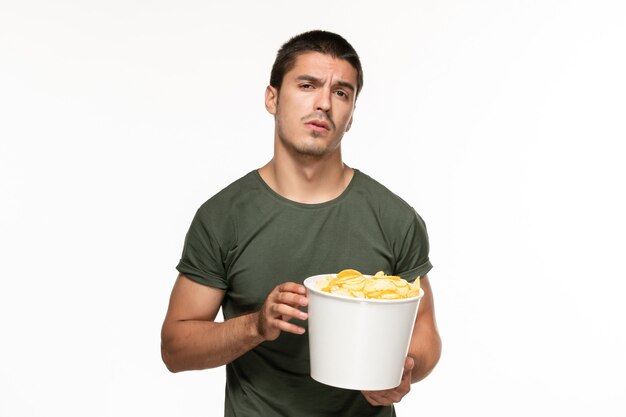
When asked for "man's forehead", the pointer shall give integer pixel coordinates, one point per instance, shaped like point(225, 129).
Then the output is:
point(322, 65)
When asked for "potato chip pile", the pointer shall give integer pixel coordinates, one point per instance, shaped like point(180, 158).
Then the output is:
point(352, 283)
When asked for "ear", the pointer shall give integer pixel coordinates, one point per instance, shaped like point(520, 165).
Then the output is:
point(271, 99)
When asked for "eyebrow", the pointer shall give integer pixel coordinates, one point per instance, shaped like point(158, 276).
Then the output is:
point(340, 83)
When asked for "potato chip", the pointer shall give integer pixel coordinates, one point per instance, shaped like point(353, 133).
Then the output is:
point(351, 283)
point(349, 273)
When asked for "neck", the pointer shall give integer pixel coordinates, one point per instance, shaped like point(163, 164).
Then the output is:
point(306, 179)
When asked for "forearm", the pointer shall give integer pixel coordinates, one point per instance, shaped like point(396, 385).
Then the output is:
point(194, 344)
point(425, 349)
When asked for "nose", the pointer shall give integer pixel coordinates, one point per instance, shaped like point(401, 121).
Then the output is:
point(323, 100)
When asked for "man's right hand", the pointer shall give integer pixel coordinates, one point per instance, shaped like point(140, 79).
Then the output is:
point(281, 305)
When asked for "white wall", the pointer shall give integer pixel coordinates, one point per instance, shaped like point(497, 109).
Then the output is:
point(500, 121)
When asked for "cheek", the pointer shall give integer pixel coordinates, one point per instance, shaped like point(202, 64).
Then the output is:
point(285, 123)
point(282, 117)
point(289, 111)
point(345, 121)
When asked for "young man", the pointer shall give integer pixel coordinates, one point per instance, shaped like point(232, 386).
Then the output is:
point(304, 213)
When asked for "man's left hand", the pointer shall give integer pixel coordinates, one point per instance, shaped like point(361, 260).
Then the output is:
point(393, 395)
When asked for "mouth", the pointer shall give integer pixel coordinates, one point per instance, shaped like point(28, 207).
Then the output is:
point(318, 125)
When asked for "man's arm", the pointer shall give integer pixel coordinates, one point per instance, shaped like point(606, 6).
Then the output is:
point(424, 351)
point(425, 347)
point(191, 339)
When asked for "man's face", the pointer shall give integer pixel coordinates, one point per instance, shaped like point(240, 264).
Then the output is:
point(314, 106)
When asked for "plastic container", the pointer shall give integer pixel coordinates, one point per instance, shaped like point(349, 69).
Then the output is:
point(355, 343)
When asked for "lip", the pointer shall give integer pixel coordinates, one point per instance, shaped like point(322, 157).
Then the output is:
point(318, 125)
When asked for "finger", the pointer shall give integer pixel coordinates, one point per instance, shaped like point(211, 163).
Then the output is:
point(391, 396)
point(292, 287)
point(291, 299)
point(409, 363)
point(396, 395)
point(287, 312)
point(401, 390)
point(287, 327)
point(375, 398)
point(406, 374)
point(405, 381)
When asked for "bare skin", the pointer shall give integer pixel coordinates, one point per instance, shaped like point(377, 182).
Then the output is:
point(191, 339)
point(312, 111)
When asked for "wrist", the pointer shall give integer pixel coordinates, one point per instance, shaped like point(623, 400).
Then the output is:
point(254, 327)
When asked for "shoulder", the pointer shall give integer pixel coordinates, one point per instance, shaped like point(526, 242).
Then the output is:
point(376, 193)
point(219, 213)
point(232, 195)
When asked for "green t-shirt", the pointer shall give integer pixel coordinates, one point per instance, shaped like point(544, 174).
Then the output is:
point(247, 239)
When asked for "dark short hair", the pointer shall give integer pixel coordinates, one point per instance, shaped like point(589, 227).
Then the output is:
point(314, 41)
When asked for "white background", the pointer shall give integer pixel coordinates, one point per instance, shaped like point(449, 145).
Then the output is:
point(499, 121)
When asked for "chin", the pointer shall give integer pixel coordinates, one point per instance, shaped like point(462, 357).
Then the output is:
point(311, 146)
point(311, 152)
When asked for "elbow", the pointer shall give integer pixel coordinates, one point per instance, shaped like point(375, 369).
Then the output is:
point(436, 348)
point(169, 351)
point(434, 352)
point(168, 360)
point(426, 355)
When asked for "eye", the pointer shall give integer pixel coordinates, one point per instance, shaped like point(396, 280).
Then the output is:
point(341, 94)
point(306, 86)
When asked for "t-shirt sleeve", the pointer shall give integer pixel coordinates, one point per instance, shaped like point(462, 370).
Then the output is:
point(413, 255)
point(201, 260)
